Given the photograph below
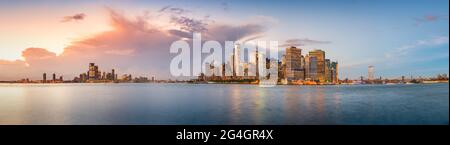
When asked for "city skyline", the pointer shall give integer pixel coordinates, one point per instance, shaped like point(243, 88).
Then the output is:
point(125, 35)
point(293, 68)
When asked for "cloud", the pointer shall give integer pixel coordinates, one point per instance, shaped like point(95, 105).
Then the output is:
point(189, 24)
point(225, 6)
point(182, 34)
point(12, 69)
point(76, 17)
point(37, 54)
point(173, 10)
point(135, 45)
point(430, 18)
point(126, 52)
point(303, 42)
point(251, 37)
point(266, 20)
point(222, 32)
point(405, 49)
point(164, 8)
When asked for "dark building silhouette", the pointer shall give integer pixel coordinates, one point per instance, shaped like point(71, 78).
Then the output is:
point(44, 78)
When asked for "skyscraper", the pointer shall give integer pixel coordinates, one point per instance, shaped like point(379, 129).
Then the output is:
point(302, 68)
point(328, 70)
point(334, 72)
point(370, 73)
point(230, 66)
point(237, 60)
point(113, 75)
point(307, 67)
point(320, 64)
point(313, 68)
point(93, 72)
point(44, 78)
point(293, 64)
point(257, 63)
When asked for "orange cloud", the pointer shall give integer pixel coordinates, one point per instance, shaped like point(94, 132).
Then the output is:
point(31, 54)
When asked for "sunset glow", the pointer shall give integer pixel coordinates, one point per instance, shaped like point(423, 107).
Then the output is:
point(134, 35)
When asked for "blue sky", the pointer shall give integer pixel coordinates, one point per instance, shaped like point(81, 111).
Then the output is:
point(398, 37)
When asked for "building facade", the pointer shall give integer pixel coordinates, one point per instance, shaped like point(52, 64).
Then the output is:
point(319, 64)
point(294, 68)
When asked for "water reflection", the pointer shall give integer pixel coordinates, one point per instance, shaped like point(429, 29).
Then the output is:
point(235, 103)
point(260, 104)
point(337, 106)
point(222, 104)
point(320, 103)
point(291, 104)
point(12, 104)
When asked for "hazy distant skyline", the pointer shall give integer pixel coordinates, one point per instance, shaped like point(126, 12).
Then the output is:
point(400, 37)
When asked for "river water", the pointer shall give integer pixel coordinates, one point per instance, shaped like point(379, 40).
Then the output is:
point(223, 104)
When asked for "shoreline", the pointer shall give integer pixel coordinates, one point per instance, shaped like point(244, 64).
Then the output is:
point(230, 83)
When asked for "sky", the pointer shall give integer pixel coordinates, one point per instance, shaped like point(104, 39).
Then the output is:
point(397, 37)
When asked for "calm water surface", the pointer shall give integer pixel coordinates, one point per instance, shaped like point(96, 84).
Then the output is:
point(222, 104)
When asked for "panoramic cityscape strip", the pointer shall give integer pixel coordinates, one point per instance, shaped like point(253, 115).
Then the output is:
point(248, 67)
point(293, 69)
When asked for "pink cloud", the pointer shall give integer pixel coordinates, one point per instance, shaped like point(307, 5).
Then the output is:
point(75, 17)
point(31, 54)
point(133, 46)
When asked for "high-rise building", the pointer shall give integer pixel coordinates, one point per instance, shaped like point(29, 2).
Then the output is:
point(328, 70)
point(113, 77)
point(224, 69)
point(302, 66)
point(307, 67)
point(237, 60)
point(313, 68)
point(54, 77)
point(257, 63)
point(81, 78)
point(370, 73)
point(320, 64)
point(99, 75)
point(334, 72)
point(230, 66)
point(282, 69)
point(104, 76)
point(245, 66)
point(44, 78)
point(294, 68)
point(262, 69)
point(93, 72)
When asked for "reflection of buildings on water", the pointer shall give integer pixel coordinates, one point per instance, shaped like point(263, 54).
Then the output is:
point(299, 103)
point(247, 107)
point(235, 102)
